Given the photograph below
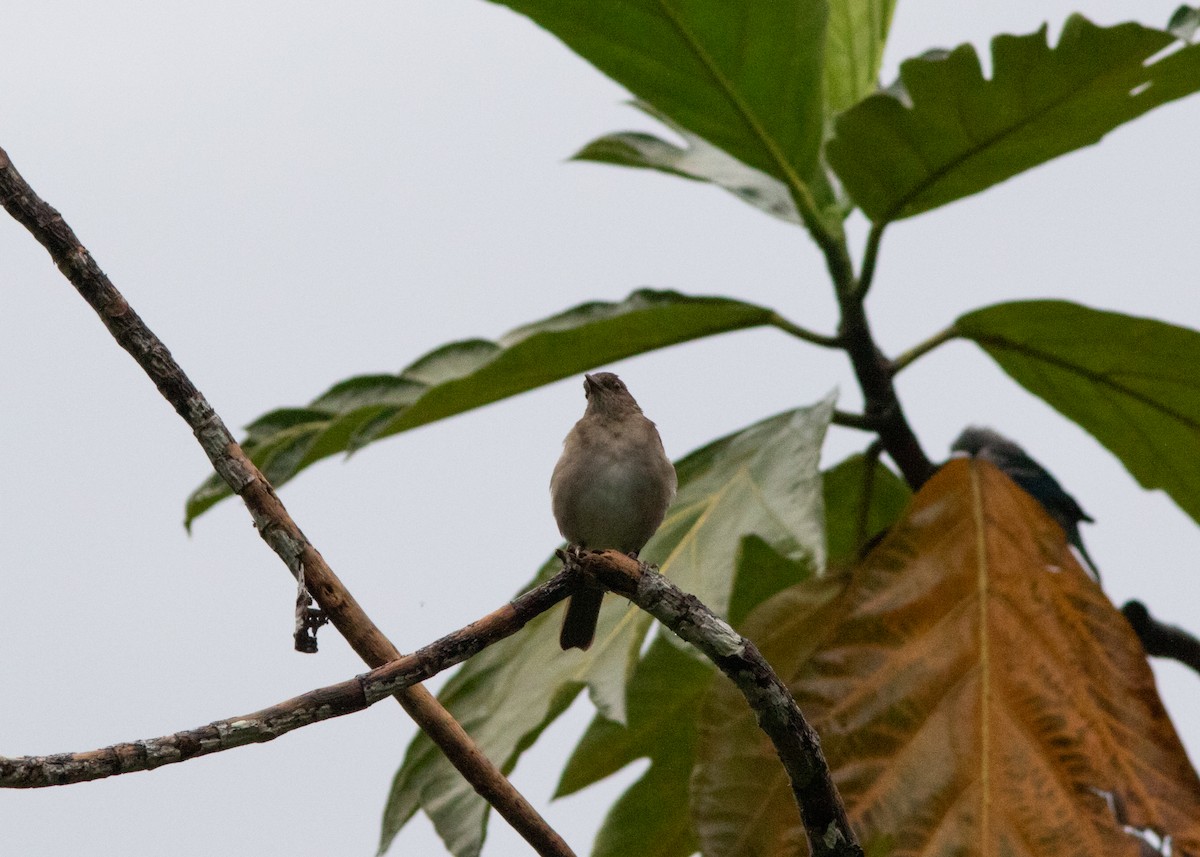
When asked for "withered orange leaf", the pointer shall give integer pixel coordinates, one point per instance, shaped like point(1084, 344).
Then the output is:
point(975, 692)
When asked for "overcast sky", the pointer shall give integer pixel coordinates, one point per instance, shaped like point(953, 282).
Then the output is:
point(293, 194)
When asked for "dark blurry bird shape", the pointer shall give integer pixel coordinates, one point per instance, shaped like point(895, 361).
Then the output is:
point(1032, 478)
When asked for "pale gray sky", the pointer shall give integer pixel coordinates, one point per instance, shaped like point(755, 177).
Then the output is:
point(291, 195)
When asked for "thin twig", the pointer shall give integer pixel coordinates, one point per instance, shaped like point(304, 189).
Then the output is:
point(324, 703)
point(274, 523)
point(1161, 640)
point(804, 333)
point(821, 808)
point(922, 348)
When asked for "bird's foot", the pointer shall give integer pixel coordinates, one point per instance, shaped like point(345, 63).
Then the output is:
point(633, 555)
point(571, 553)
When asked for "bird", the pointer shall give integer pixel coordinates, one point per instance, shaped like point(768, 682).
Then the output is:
point(1033, 479)
point(610, 489)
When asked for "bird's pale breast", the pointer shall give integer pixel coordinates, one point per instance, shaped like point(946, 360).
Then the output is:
point(614, 488)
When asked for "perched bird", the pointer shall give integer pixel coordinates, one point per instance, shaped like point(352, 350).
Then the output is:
point(610, 488)
point(1031, 477)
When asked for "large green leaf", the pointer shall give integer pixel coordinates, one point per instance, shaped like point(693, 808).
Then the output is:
point(748, 79)
point(698, 160)
point(950, 132)
point(663, 697)
point(472, 373)
point(1132, 382)
point(762, 481)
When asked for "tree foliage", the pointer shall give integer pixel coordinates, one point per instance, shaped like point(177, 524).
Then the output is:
point(975, 691)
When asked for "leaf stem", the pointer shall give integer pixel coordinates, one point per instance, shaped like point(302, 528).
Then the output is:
point(804, 333)
point(923, 348)
point(870, 255)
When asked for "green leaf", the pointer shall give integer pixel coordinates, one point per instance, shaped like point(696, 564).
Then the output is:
point(661, 703)
point(650, 819)
point(748, 81)
point(762, 480)
point(465, 375)
point(952, 133)
point(845, 492)
point(858, 31)
point(1131, 382)
point(699, 161)
point(659, 699)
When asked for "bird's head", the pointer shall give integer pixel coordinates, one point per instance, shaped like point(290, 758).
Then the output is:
point(977, 439)
point(607, 394)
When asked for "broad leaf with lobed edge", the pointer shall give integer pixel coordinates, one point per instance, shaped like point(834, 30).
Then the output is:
point(950, 132)
point(469, 374)
point(1131, 382)
point(762, 481)
point(974, 691)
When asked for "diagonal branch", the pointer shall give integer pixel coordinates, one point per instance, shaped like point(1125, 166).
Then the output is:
point(271, 519)
point(824, 815)
point(799, 748)
point(324, 703)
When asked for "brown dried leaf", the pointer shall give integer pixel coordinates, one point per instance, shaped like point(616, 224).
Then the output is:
point(975, 693)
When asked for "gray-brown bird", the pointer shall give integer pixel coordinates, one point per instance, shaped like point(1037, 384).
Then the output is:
point(610, 489)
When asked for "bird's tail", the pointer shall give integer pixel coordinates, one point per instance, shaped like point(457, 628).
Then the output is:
point(1076, 541)
point(1091, 563)
point(579, 624)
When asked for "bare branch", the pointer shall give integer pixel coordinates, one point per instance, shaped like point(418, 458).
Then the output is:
point(1161, 640)
point(347, 697)
point(799, 748)
point(272, 520)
